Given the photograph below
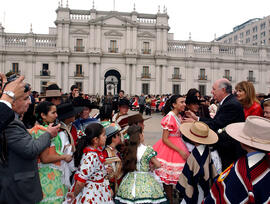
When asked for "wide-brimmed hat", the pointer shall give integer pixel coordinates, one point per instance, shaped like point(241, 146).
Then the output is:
point(52, 94)
point(67, 110)
point(255, 132)
point(123, 102)
point(53, 86)
point(81, 102)
point(199, 132)
point(193, 100)
point(136, 119)
point(112, 129)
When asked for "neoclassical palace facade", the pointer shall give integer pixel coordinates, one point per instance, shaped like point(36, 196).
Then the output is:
point(105, 51)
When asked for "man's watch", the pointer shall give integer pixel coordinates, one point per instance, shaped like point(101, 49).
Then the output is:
point(10, 94)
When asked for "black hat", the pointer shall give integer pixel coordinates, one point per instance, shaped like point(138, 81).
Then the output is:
point(67, 110)
point(53, 87)
point(123, 102)
point(81, 102)
point(193, 100)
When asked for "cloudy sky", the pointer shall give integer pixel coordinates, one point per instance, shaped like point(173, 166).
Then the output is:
point(203, 18)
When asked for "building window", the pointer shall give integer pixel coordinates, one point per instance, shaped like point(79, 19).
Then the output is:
point(255, 37)
point(262, 34)
point(202, 89)
point(145, 89)
point(254, 29)
point(146, 48)
point(113, 46)
point(145, 72)
point(235, 38)
point(43, 85)
point(78, 72)
point(79, 85)
point(79, 45)
point(176, 89)
point(248, 40)
point(241, 35)
point(263, 26)
point(176, 73)
point(15, 68)
point(45, 70)
point(227, 75)
point(250, 77)
point(247, 32)
point(202, 75)
point(262, 42)
point(230, 40)
point(225, 41)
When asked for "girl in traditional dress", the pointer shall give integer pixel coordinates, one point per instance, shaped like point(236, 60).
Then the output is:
point(171, 150)
point(139, 185)
point(90, 185)
point(49, 162)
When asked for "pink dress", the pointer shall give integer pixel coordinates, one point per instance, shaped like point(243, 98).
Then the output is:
point(171, 161)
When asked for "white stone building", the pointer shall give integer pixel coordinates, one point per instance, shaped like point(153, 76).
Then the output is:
point(105, 51)
point(252, 32)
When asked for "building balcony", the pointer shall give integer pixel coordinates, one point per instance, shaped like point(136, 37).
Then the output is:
point(79, 49)
point(146, 75)
point(146, 51)
point(202, 77)
point(78, 74)
point(113, 50)
point(18, 72)
point(228, 77)
point(176, 76)
point(251, 79)
point(45, 72)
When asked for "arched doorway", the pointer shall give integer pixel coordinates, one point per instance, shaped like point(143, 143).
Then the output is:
point(112, 82)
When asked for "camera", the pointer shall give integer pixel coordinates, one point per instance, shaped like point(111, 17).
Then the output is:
point(56, 122)
point(13, 77)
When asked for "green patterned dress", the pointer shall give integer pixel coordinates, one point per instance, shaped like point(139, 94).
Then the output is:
point(50, 174)
point(141, 186)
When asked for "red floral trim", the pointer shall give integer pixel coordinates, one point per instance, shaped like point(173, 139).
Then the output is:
point(78, 178)
point(98, 151)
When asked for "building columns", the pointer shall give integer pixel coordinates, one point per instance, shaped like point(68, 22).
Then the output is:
point(98, 72)
point(66, 79)
point(128, 79)
point(133, 82)
point(91, 79)
point(158, 80)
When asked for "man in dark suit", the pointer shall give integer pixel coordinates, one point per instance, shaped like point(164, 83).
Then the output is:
point(229, 111)
point(15, 88)
point(19, 180)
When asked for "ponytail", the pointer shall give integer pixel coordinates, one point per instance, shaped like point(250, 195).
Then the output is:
point(91, 131)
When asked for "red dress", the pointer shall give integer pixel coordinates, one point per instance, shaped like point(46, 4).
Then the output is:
point(254, 109)
point(171, 161)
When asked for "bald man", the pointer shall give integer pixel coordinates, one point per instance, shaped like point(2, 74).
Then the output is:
point(229, 111)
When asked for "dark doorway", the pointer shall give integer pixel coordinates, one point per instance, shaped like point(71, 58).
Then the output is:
point(112, 82)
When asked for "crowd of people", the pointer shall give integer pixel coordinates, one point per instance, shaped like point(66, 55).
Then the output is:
point(53, 149)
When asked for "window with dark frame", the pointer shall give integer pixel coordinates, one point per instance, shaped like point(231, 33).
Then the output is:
point(79, 85)
point(202, 89)
point(113, 46)
point(45, 70)
point(79, 71)
point(79, 45)
point(176, 89)
point(145, 89)
point(15, 68)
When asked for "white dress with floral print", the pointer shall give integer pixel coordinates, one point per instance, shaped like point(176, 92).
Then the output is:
point(92, 173)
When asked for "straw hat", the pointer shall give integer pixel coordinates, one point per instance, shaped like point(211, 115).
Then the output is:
point(199, 132)
point(52, 93)
point(112, 129)
point(254, 132)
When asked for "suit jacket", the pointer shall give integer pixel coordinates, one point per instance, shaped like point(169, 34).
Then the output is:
point(231, 111)
point(19, 180)
point(6, 116)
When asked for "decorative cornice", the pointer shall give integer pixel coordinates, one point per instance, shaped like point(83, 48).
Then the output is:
point(79, 31)
point(113, 33)
point(146, 34)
